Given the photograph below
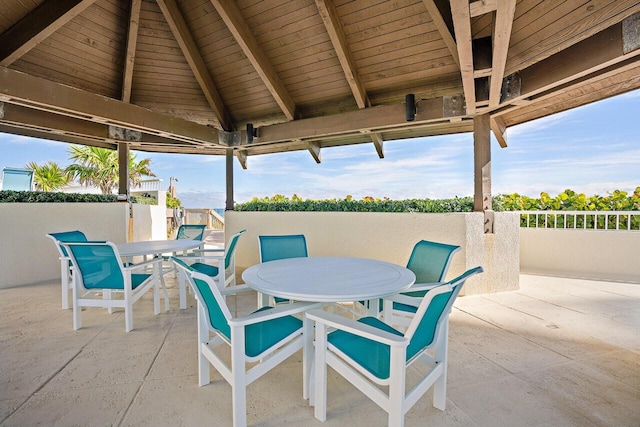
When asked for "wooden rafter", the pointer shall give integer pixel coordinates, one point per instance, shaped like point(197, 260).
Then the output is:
point(314, 149)
point(501, 38)
point(38, 93)
point(45, 19)
point(231, 16)
point(499, 129)
point(441, 25)
point(462, 25)
point(189, 49)
point(331, 21)
point(378, 142)
point(130, 54)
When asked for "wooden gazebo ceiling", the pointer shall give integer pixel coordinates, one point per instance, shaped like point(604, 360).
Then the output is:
point(188, 76)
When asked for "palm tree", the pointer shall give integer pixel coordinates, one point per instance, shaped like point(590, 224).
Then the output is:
point(99, 167)
point(49, 176)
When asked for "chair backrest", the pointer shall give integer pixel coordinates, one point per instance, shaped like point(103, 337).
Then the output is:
point(98, 263)
point(17, 179)
point(66, 236)
point(191, 232)
point(280, 247)
point(433, 310)
point(217, 313)
point(230, 249)
point(430, 261)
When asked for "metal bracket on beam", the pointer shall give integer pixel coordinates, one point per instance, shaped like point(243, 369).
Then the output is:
point(453, 106)
point(511, 87)
point(230, 139)
point(124, 134)
point(631, 33)
point(1, 110)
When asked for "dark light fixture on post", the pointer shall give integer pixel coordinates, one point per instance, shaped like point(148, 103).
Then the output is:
point(251, 133)
point(410, 107)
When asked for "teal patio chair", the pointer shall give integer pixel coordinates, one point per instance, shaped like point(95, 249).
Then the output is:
point(273, 248)
point(263, 339)
point(66, 270)
point(101, 280)
point(430, 262)
point(369, 353)
point(187, 232)
point(223, 276)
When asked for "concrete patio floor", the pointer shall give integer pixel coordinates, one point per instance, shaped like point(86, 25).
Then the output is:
point(558, 352)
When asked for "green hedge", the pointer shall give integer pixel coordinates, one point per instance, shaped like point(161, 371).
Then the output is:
point(9, 196)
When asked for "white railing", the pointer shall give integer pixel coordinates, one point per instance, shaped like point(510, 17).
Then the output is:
point(582, 220)
point(210, 217)
point(149, 185)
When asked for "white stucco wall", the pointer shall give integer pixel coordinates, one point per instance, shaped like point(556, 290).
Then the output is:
point(586, 254)
point(28, 256)
point(391, 237)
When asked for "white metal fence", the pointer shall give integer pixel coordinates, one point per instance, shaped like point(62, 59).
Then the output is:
point(582, 220)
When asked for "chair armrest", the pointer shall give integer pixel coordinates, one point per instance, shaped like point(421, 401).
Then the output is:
point(357, 328)
point(142, 264)
point(404, 299)
point(424, 286)
point(274, 313)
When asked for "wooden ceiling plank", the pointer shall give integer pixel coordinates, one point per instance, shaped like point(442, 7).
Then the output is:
point(232, 17)
point(501, 38)
point(130, 53)
point(45, 19)
point(443, 29)
point(331, 21)
point(462, 27)
point(35, 92)
point(188, 46)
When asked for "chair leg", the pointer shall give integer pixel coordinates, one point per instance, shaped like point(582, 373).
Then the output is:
point(397, 387)
point(238, 375)
point(307, 356)
point(320, 389)
point(203, 337)
point(183, 290)
point(64, 279)
point(106, 295)
point(128, 310)
point(440, 386)
point(77, 310)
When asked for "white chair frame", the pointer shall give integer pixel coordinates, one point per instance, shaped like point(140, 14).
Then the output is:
point(82, 295)
point(236, 374)
point(397, 402)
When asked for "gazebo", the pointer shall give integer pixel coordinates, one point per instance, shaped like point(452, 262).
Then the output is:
point(251, 77)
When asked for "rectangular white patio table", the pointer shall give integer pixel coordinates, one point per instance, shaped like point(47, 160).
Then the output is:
point(156, 248)
point(327, 279)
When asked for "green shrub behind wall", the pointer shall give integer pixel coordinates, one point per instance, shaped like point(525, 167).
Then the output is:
point(9, 196)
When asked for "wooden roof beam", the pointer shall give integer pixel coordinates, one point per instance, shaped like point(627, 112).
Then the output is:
point(499, 129)
point(501, 37)
point(462, 25)
point(378, 142)
point(35, 92)
point(443, 29)
point(187, 44)
point(368, 120)
point(331, 21)
point(130, 53)
point(45, 19)
point(234, 21)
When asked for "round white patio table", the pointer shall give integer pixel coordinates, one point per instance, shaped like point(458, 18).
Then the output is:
point(157, 248)
point(326, 279)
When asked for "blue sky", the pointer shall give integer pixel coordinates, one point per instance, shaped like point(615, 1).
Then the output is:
point(593, 149)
